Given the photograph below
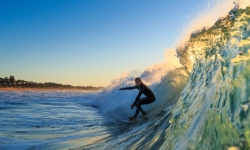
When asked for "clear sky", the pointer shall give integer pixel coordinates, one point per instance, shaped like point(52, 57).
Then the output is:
point(87, 42)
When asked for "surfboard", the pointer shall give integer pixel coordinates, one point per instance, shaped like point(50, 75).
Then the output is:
point(139, 119)
point(125, 121)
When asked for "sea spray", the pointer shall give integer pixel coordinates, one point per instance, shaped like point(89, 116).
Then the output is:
point(115, 104)
point(166, 79)
point(205, 16)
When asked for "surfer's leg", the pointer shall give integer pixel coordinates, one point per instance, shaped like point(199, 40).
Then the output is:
point(143, 101)
point(137, 112)
point(138, 107)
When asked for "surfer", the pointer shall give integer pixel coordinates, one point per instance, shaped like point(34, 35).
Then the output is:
point(143, 89)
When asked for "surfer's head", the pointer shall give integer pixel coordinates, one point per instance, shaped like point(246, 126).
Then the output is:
point(138, 81)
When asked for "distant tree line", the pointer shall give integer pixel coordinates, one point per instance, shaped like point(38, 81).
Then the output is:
point(11, 82)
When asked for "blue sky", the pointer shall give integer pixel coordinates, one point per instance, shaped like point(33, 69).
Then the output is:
point(87, 42)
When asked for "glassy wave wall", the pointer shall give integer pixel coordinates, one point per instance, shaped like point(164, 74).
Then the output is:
point(213, 109)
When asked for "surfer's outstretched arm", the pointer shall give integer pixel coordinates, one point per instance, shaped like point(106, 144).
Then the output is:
point(129, 88)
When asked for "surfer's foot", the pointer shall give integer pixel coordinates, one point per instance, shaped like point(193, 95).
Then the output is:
point(132, 118)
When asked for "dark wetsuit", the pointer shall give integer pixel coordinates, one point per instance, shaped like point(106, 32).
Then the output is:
point(143, 89)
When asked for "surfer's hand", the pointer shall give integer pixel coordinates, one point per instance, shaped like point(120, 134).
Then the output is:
point(132, 106)
point(120, 88)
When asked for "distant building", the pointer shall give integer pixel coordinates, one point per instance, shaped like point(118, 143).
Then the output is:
point(29, 82)
point(19, 82)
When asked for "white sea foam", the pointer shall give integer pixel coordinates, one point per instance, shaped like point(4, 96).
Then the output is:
point(205, 16)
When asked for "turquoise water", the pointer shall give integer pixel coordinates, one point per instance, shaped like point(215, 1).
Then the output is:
point(213, 110)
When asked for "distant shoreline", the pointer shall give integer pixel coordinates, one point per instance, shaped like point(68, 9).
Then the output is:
point(16, 89)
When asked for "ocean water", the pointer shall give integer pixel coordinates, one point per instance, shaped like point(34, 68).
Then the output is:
point(33, 120)
point(57, 120)
point(202, 105)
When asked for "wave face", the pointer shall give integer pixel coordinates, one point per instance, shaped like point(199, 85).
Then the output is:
point(213, 109)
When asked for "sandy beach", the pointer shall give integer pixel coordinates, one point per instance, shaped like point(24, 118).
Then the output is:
point(43, 90)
